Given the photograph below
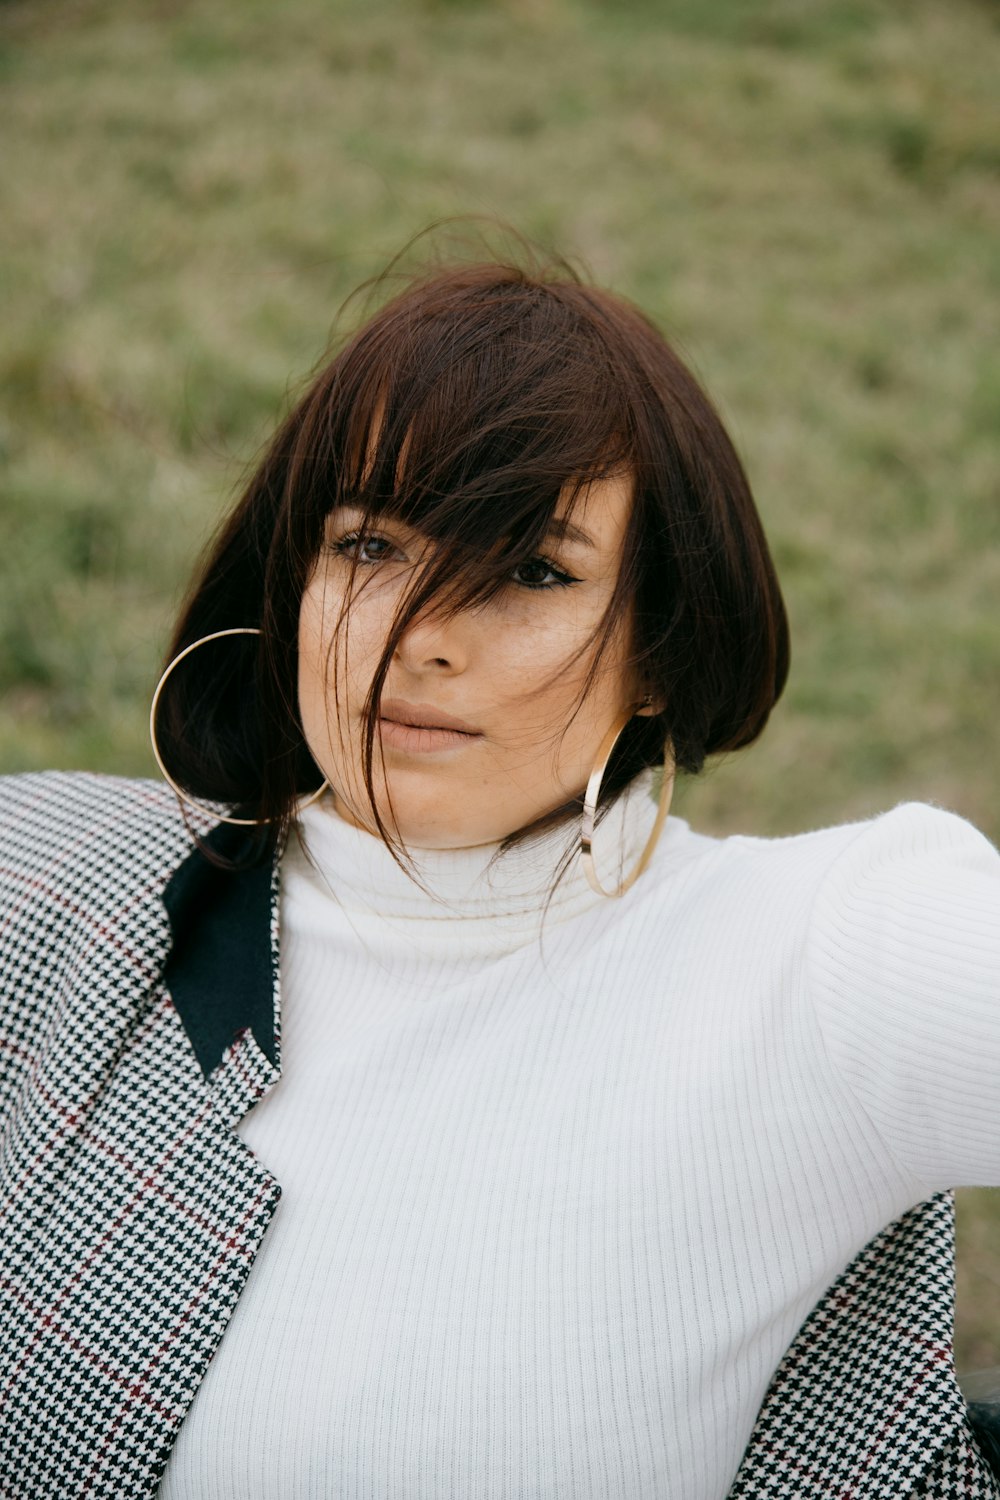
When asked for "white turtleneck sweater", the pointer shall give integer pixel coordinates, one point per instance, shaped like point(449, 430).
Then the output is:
point(554, 1207)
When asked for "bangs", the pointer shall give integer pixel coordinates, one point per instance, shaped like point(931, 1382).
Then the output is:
point(473, 424)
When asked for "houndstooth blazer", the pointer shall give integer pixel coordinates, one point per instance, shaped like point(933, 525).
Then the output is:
point(138, 1024)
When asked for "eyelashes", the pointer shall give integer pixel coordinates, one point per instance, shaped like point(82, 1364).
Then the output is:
point(352, 544)
point(368, 550)
point(557, 578)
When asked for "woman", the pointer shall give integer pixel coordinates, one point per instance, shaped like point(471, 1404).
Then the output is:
point(576, 1113)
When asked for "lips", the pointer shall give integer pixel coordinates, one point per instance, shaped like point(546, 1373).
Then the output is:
point(424, 716)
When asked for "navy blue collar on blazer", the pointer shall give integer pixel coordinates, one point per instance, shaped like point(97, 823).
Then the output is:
point(221, 970)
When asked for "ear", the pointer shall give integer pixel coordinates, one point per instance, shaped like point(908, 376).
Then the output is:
point(649, 706)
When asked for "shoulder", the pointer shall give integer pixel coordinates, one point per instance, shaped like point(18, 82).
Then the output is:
point(913, 888)
point(84, 861)
point(911, 831)
point(75, 831)
point(790, 883)
point(913, 846)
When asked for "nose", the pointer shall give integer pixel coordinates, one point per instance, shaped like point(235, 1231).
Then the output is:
point(435, 644)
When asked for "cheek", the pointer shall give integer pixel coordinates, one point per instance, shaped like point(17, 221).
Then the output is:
point(323, 683)
point(542, 641)
point(334, 655)
point(548, 669)
point(312, 677)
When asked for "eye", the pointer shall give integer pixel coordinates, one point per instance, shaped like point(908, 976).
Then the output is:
point(368, 549)
point(539, 573)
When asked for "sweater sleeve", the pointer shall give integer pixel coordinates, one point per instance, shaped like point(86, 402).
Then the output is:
point(904, 956)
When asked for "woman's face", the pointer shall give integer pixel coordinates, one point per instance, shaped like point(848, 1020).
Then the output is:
point(479, 733)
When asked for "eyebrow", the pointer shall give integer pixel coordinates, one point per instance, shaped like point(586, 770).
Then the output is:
point(564, 531)
point(559, 528)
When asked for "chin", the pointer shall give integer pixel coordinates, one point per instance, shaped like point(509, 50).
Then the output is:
point(439, 828)
point(431, 816)
point(422, 833)
point(422, 828)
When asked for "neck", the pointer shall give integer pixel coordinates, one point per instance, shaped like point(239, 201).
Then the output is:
point(478, 897)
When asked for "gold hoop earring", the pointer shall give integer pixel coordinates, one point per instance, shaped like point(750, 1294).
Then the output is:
point(590, 801)
point(179, 791)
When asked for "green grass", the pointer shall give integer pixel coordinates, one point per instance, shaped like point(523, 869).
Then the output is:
point(807, 198)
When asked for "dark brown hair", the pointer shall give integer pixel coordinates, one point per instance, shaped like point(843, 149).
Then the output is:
point(468, 406)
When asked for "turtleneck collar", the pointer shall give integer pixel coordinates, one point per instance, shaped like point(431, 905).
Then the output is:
point(472, 900)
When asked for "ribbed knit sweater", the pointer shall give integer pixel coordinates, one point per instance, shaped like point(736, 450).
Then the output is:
point(555, 1203)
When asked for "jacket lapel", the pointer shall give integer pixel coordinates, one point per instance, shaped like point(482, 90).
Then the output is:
point(177, 1207)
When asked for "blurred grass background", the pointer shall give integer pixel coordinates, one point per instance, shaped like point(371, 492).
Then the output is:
point(805, 195)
